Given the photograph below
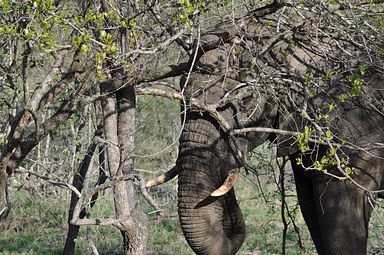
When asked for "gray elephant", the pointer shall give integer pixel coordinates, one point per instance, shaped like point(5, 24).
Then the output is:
point(313, 99)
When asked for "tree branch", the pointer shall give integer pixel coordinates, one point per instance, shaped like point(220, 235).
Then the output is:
point(139, 77)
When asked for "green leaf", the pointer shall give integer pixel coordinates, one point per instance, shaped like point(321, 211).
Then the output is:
point(331, 107)
point(328, 134)
point(303, 139)
point(132, 23)
point(103, 34)
point(84, 48)
point(363, 69)
point(343, 98)
point(348, 170)
point(357, 84)
point(328, 75)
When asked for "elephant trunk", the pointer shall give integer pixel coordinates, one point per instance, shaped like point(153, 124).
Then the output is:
point(212, 226)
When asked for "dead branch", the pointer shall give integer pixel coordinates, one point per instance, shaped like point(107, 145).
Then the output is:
point(85, 199)
point(51, 179)
point(138, 77)
point(62, 114)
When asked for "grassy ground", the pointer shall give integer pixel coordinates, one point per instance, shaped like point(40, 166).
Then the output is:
point(37, 225)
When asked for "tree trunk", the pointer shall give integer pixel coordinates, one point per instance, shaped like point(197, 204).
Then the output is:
point(4, 202)
point(119, 128)
point(119, 116)
point(135, 233)
point(78, 182)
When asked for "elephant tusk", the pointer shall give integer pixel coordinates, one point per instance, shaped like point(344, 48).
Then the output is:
point(169, 175)
point(228, 183)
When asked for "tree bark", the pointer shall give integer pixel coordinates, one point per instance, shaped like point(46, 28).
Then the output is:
point(78, 182)
point(119, 129)
point(4, 203)
point(122, 111)
point(135, 232)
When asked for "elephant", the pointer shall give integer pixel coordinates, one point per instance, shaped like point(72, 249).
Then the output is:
point(312, 99)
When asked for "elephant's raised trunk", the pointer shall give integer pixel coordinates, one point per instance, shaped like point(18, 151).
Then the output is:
point(213, 226)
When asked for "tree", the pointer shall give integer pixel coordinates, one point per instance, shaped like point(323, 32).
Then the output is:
point(75, 68)
point(55, 53)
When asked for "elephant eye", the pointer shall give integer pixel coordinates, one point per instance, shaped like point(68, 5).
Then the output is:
point(245, 101)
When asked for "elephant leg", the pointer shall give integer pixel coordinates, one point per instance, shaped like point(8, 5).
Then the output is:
point(336, 212)
point(343, 209)
point(307, 203)
point(343, 213)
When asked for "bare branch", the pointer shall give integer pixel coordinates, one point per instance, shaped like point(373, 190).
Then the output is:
point(50, 179)
point(85, 198)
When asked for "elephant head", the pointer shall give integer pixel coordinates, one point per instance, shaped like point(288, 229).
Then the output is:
point(241, 84)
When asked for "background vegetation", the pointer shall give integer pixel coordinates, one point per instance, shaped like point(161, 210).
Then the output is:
point(55, 57)
point(37, 223)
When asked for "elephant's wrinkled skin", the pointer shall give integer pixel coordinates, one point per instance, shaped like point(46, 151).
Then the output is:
point(252, 85)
